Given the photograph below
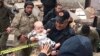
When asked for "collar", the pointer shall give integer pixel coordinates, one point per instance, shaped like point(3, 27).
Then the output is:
point(25, 14)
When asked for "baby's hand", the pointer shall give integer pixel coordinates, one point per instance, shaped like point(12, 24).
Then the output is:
point(33, 39)
point(57, 45)
point(48, 30)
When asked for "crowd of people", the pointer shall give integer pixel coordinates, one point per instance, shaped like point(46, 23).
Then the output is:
point(54, 34)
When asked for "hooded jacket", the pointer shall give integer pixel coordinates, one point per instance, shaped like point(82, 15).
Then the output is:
point(76, 46)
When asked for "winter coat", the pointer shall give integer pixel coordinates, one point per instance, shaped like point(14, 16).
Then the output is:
point(56, 35)
point(23, 24)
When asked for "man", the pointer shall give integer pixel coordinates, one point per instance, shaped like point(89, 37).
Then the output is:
point(48, 5)
point(75, 46)
point(59, 28)
point(6, 17)
point(53, 13)
point(22, 24)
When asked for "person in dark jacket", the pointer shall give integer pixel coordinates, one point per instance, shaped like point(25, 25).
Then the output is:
point(53, 13)
point(59, 28)
point(6, 17)
point(48, 5)
point(75, 46)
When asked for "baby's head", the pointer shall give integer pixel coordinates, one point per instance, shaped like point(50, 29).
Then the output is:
point(38, 27)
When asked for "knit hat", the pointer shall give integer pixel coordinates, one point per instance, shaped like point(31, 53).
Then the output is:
point(28, 3)
point(65, 16)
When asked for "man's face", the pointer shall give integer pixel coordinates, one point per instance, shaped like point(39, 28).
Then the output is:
point(61, 26)
point(29, 9)
point(58, 8)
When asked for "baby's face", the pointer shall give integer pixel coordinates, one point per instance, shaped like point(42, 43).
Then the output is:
point(39, 29)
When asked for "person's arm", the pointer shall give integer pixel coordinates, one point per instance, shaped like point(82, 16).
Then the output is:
point(31, 36)
point(47, 17)
point(15, 25)
point(95, 21)
point(95, 35)
point(50, 24)
point(11, 15)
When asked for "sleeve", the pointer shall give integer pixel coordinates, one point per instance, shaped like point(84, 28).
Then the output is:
point(95, 35)
point(15, 25)
point(47, 18)
point(78, 31)
point(50, 24)
point(72, 32)
point(11, 15)
point(95, 21)
point(32, 33)
point(36, 18)
point(42, 54)
point(29, 34)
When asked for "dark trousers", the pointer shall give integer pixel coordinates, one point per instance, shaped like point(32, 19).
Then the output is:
point(3, 40)
point(27, 51)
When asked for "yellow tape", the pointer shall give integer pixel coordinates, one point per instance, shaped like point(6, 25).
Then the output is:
point(17, 48)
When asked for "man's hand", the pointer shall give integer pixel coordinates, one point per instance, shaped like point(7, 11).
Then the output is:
point(9, 29)
point(23, 38)
point(45, 48)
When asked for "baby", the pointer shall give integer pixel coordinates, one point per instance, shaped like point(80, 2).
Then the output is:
point(40, 34)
